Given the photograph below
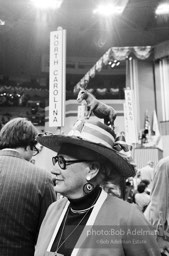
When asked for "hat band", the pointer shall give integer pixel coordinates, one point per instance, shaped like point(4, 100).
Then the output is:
point(94, 134)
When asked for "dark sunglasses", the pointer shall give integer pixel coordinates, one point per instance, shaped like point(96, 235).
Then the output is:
point(63, 163)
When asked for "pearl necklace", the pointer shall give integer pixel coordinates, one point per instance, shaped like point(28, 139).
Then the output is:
point(82, 211)
point(87, 209)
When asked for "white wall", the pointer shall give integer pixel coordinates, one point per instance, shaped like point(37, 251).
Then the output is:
point(165, 141)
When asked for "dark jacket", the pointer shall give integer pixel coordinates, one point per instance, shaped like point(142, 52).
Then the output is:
point(25, 194)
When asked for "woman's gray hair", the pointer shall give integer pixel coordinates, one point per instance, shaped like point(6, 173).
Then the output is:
point(106, 170)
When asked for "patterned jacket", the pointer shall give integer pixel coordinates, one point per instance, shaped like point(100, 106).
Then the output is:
point(25, 194)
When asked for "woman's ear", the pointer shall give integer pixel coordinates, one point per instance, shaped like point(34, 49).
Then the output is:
point(93, 170)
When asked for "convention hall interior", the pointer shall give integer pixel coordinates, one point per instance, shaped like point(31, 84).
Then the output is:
point(112, 47)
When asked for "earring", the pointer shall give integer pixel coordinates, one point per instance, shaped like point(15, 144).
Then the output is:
point(88, 187)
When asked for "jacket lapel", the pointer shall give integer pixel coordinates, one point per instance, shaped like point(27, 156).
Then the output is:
point(89, 224)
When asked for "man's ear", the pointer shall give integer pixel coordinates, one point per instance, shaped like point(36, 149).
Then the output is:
point(27, 148)
point(93, 170)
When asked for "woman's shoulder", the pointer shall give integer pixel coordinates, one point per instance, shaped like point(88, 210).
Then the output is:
point(123, 210)
point(119, 206)
point(56, 208)
point(58, 204)
point(118, 202)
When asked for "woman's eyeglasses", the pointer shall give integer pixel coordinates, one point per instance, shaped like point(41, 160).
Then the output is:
point(63, 163)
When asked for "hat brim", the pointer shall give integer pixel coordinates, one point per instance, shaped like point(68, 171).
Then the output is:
point(121, 165)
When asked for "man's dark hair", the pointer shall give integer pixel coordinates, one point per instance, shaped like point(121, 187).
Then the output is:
point(18, 132)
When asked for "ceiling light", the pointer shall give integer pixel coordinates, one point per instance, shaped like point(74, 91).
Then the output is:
point(2, 22)
point(47, 4)
point(108, 10)
point(162, 9)
point(113, 65)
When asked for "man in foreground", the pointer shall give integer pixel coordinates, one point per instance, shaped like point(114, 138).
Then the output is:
point(25, 190)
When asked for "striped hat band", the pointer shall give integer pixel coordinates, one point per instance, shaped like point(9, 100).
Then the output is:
point(94, 132)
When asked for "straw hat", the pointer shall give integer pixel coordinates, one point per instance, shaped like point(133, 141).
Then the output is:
point(95, 136)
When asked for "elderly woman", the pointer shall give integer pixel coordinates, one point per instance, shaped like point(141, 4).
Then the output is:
point(87, 220)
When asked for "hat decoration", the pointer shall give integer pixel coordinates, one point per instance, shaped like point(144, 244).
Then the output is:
point(97, 137)
point(124, 149)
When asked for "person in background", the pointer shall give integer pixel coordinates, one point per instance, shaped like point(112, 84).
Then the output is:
point(25, 190)
point(142, 198)
point(80, 223)
point(136, 179)
point(129, 191)
point(115, 185)
point(157, 212)
point(146, 182)
point(147, 173)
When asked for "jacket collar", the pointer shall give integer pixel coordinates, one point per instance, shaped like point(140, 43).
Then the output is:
point(10, 152)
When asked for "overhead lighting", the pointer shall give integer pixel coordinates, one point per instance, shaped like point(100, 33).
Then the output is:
point(2, 22)
point(108, 10)
point(113, 65)
point(162, 9)
point(47, 4)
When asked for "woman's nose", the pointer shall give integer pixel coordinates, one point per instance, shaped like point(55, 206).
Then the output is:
point(54, 172)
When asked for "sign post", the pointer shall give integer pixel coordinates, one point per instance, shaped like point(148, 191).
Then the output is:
point(57, 78)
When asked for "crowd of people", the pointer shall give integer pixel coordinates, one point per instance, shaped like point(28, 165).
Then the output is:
point(106, 206)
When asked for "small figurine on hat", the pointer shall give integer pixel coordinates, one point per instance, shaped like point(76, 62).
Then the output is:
point(99, 109)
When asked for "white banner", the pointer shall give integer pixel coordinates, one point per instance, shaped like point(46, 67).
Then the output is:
point(126, 124)
point(130, 127)
point(57, 78)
